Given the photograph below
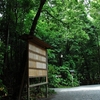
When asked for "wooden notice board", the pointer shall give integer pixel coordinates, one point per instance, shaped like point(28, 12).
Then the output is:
point(37, 61)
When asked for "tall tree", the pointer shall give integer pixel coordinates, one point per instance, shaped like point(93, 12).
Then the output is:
point(34, 23)
point(12, 25)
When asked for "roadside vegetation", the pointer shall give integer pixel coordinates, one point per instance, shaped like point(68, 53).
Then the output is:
point(71, 27)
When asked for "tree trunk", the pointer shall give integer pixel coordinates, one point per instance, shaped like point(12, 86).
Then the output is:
point(34, 23)
point(23, 64)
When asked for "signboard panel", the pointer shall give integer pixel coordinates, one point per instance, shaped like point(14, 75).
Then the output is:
point(37, 61)
point(37, 73)
point(37, 49)
point(34, 64)
point(34, 56)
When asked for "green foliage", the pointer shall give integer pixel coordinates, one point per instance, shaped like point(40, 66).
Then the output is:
point(3, 89)
point(71, 27)
point(52, 75)
point(2, 51)
point(61, 77)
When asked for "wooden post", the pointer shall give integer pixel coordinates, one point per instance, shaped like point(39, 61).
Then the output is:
point(22, 83)
point(28, 81)
point(28, 94)
point(37, 62)
point(47, 75)
point(46, 90)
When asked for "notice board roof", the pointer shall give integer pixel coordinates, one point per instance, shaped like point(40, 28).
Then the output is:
point(35, 40)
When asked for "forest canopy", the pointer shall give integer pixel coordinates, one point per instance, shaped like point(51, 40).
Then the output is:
point(71, 27)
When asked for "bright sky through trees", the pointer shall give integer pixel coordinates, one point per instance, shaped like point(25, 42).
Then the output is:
point(0, 15)
point(87, 4)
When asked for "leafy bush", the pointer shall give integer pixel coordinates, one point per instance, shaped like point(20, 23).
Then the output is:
point(61, 76)
point(3, 89)
point(2, 49)
point(52, 75)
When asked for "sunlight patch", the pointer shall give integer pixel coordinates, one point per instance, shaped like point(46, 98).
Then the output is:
point(0, 15)
point(82, 88)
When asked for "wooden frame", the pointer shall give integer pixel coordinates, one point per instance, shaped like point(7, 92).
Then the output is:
point(37, 61)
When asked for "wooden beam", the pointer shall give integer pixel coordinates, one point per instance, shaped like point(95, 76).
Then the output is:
point(33, 85)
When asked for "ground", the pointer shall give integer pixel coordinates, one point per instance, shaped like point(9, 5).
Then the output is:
point(88, 92)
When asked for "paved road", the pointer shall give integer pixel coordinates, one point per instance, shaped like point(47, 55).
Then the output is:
point(89, 92)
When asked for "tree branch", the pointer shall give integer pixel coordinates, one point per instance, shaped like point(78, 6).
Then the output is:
point(42, 2)
point(56, 18)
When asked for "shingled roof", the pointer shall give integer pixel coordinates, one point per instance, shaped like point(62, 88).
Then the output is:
point(35, 40)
